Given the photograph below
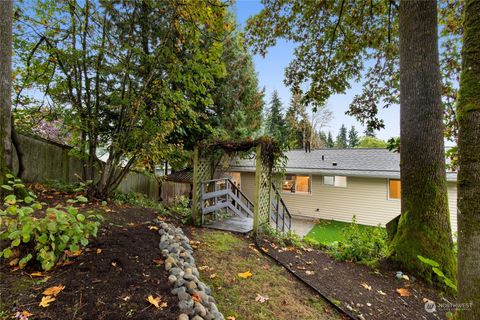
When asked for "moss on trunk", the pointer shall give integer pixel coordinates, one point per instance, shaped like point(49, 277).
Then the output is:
point(424, 226)
point(468, 114)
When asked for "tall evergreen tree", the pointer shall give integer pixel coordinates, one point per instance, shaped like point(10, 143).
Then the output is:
point(330, 142)
point(468, 113)
point(341, 141)
point(237, 99)
point(353, 138)
point(275, 123)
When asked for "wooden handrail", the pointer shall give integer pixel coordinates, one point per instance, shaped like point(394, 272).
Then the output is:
point(285, 211)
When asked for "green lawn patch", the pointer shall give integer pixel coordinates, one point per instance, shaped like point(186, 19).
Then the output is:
point(328, 231)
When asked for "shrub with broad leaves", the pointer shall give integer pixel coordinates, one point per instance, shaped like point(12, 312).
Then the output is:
point(34, 233)
point(364, 245)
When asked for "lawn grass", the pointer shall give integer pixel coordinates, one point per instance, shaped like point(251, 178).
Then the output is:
point(221, 256)
point(328, 231)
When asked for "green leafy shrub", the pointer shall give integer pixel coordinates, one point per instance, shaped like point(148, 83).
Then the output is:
point(139, 200)
point(436, 269)
point(67, 187)
point(42, 239)
point(365, 245)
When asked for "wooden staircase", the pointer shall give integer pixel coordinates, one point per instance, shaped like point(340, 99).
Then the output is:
point(226, 207)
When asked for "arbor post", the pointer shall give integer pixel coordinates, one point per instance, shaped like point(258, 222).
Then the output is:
point(261, 201)
point(201, 172)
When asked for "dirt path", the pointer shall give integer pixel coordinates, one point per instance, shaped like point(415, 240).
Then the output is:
point(221, 256)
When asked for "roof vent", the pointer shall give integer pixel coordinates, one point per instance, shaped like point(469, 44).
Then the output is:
point(334, 164)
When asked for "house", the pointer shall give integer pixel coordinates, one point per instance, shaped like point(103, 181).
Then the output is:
point(340, 183)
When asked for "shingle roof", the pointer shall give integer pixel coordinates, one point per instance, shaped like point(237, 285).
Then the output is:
point(379, 163)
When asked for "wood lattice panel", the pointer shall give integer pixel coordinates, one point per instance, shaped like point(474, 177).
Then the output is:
point(262, 192)
point(201, 172)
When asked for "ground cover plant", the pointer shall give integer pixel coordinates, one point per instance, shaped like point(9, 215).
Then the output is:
point(33, 233)
point(111, 278)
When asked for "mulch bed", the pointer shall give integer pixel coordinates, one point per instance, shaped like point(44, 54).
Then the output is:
point(356, 288)
point(111, 283)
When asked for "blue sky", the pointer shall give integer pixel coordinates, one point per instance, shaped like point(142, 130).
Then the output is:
point(271, 74)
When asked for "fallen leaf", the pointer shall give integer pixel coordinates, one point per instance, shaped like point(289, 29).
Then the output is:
point(99, 251)
point(301, 268)
point(37, 274)
point(71, 254)
point(245, 275)
point(403, 292)
point(366, 286)
point(309, 273)
point(265, 249)
point(46, 301)
point(65, 263)
point(157, 302)
point(23, 315)
point(261, 298)
point(405, 277)
point(213, 275)
point(152, 227)
point(203, 268)
point(14, 262)
point(230, 318)
point(114, 264)
point(126, 298)
point(158, 262)
point(196, 297)
point(53, 291)
point(381, 292)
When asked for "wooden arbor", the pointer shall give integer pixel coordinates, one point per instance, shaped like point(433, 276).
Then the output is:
point(203, 170)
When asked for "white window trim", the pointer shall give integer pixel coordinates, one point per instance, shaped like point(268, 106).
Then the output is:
point(296, 192)
point(388, 190)
point(333, 185)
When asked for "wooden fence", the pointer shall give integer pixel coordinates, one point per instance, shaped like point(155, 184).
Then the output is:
point(48, 160)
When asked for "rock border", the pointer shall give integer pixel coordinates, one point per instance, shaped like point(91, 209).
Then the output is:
point(195, 300)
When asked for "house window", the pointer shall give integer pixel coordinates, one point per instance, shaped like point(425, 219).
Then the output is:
point(296, 184)
point(336, 181)
point(394, 189)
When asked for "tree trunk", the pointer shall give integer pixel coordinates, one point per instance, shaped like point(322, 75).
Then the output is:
point(468, 115)
point(424, 226)
point(6, 148)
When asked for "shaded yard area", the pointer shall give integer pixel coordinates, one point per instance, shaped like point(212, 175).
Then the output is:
point(270, 293)
point(328, 231)
point(110, 279)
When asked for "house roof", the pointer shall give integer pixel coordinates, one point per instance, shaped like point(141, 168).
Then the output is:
point(374, 163)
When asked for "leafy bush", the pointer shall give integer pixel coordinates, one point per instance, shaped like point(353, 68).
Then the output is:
point(284, 239)
point(139, 200)
point(42, 239)
point(436, 269)
point(365, 245)
point(67, 187)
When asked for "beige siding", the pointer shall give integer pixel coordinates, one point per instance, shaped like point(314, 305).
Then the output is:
point(366, 198)
point(452, 203)
point(247, 184)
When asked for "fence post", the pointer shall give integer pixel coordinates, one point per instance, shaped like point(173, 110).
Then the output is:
point(196, 194)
